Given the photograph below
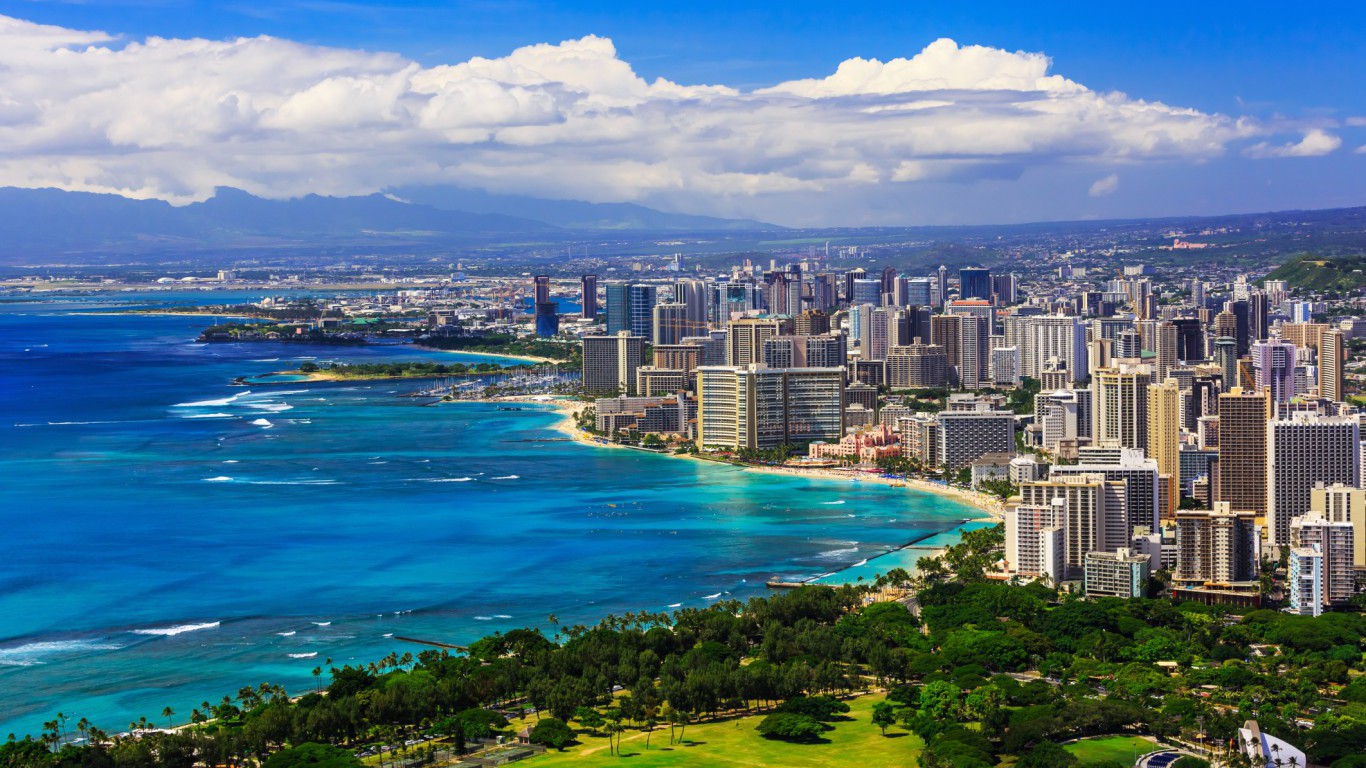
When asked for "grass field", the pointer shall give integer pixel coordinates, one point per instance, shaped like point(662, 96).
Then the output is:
point(733, 743)
point(1121, 749)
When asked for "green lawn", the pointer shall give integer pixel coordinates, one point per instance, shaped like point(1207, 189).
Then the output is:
point(1121, 749)
point(733, 743)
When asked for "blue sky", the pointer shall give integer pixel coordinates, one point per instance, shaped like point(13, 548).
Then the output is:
point(1288, 68)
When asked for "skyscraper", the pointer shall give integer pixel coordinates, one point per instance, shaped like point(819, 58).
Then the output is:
point(745, 339)
point(941, 286)
point(1120, 397)
point(694, 295)
point(1226, 356)
point(1334, 543)
point(630, 308)
point(1243, 416)
point(1304, 449)
point(1343, 503)
point(541, 284)
point(610, 362)
point(1274, 365)
point(866, 292)
point(1088, 506)
point(753, 407)
point(1216, 546)
point(1164, 437)
point(1332, 366)
point(974, 283)
point(588, 299)
point(670, 323)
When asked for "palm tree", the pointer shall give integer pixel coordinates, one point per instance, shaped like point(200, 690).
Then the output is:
point(318, 677)
point(167, 713)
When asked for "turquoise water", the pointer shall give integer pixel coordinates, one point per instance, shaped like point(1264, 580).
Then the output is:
point(171, 537)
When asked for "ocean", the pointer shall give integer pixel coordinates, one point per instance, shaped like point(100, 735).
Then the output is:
point(170, 537)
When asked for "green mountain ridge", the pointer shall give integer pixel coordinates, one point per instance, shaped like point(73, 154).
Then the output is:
point(1319, 273)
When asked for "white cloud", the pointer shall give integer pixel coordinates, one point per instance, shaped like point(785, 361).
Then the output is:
point(1356, 122)
point(1105, 186)
point(1315, 143)
point(174, 119)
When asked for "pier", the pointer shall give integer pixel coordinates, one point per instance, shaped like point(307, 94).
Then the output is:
point(434, 643)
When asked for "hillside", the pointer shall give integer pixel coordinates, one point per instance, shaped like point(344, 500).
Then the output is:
point(1308, 271)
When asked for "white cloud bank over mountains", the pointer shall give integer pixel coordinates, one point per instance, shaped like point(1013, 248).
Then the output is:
point(173, 119)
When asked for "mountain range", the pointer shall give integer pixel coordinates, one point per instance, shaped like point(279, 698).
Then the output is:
point(48, 222)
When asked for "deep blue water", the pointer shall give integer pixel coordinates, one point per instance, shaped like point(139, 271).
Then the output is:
point(170, 537)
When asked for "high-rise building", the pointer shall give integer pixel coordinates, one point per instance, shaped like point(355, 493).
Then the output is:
point(1120, 397)
point(941, 286)
point(694, 294)
point(974, 359)
point(1129, 344)
point(1166, 346)
point(631, 308)
point(812, 322)
point(1063, 415)
point(1004, 286)
point(1122, 573)
point(1304, 449)
point(867, 292)
point(1143, 495)
point(541, 288)
point(1243, 417)
point(745, 339)
point(919, 292)
point(754, 407)
point(680, 357)
point(1332, 366)
point(1343, 504)
point(967, 436)
point(1274, 365)
point(823, 292)
point(826, 351)
point(1005, 366)
point(652, 381)
point(947, 332)
point(670, 323)
point(1190, 339)
point(857, 273)
point(1226, 325)
point(1218, 546)
point(1226, 357)
point(1036, 542)
point(610, 363)
point(1087, 506)
point(547, 319)
point(1304, 586)
point(974, 283)
point(916, 366)
point(1062, 337)
point(1164, 436)
point(588, 299)
point(1334, 543)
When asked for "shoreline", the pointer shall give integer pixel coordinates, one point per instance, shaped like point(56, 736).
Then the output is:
point(527, 358)
point(568, 411)
point(991, 508)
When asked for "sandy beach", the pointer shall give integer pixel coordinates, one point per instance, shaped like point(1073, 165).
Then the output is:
point(523, 358)
point(567, 425)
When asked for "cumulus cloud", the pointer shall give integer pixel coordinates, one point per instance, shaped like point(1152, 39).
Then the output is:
point(1315, 143)
point(174, 119)
point(1105, 186)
